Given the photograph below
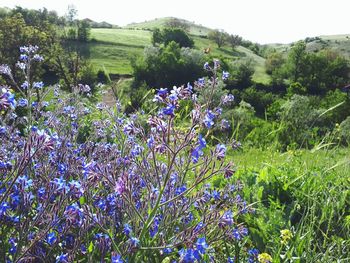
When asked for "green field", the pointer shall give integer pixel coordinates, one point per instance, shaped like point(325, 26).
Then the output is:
point(112, 49)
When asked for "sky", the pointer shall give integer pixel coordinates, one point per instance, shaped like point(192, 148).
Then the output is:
point(262, 21)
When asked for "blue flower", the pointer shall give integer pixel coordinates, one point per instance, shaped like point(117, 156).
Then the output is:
point(3, 208)
point(253, 255)
point(189, 255)
point(38, 85)
point(225, 75)
point(25, 85)
point(220, 151)
point(196, 153)
point(117, 259)
point(134, 241)
point(230, 260)
point(227, 218)
point(201, 141)
point(201, 245)
point(22, 102)
point(216, 195)
point(209, 119)
point(13, 245)
point(63, 258)
point(167, 250)
point(201, 82)
point(51, 238)
point(236, 235)
point(127, 229)
point(169, 110)
point(150, 142)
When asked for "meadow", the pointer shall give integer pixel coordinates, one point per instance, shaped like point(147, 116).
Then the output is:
point(235, 165)
point(112, 50)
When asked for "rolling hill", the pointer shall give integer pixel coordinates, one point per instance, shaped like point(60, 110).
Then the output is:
point(112, 50)
point(193, 28)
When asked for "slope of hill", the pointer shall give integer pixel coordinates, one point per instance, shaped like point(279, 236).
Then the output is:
point(337, 43)
point(112, 49)
point(194, 29)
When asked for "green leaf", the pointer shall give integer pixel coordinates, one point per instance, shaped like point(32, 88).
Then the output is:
point(91, 247)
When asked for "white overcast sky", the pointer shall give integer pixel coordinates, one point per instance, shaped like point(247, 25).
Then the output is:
point(262, 21)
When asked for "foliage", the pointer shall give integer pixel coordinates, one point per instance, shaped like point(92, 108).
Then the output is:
point(242, 73)
point(178, 23)
point(165, 66)
point(218, 36)
point(234, 41)
point(302, 203)
point(115, 190)
point(344, 128)
point(167, 35)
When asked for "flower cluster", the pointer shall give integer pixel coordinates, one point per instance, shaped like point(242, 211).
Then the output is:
point(116, 188)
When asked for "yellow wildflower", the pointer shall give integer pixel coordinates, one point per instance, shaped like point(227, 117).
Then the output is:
point(286, 234)
point(264, 258)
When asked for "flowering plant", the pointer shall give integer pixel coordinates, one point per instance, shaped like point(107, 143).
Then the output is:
point(128, 192)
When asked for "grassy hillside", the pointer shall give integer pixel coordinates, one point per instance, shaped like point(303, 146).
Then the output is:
point(194, 29)
point(112, 49)
point(338, 43)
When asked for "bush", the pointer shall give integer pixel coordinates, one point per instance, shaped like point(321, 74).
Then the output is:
point(168, 35)
point(167, 66)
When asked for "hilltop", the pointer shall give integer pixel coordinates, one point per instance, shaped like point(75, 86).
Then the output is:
point(193, 28)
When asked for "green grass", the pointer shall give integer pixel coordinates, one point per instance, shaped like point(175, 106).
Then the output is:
point(306, 192)
point(112, 49)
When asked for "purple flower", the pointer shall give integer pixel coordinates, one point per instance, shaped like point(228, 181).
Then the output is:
point(116, 258)
point(22, 102)
point(13, 244)
point(38, 85)
point(5, 70)
point(227, 99)
point(134, 242)
point(3, 208)
point(169, 110)
point(196, 153)
point(220, 151)
point(201, 141)
point(63, 258)
point(51, 238)
point(201, 245)
point(226, 219)
point(38, 58)
point(127, 229)
point(201, 82)
point(206, 66)
point(225, 124)
point(23, 57)
point(225, 75)
point(189, 255)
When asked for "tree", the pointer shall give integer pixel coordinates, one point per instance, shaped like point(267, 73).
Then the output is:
point(296, 60)
point(218, 36)
point(168, 35)
point(168, 65)
point(83, 31)
point(157, 36)
point(71, 14)
point(14, 33)
point(177, 23)
point(273, 62)
point(234, 40)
